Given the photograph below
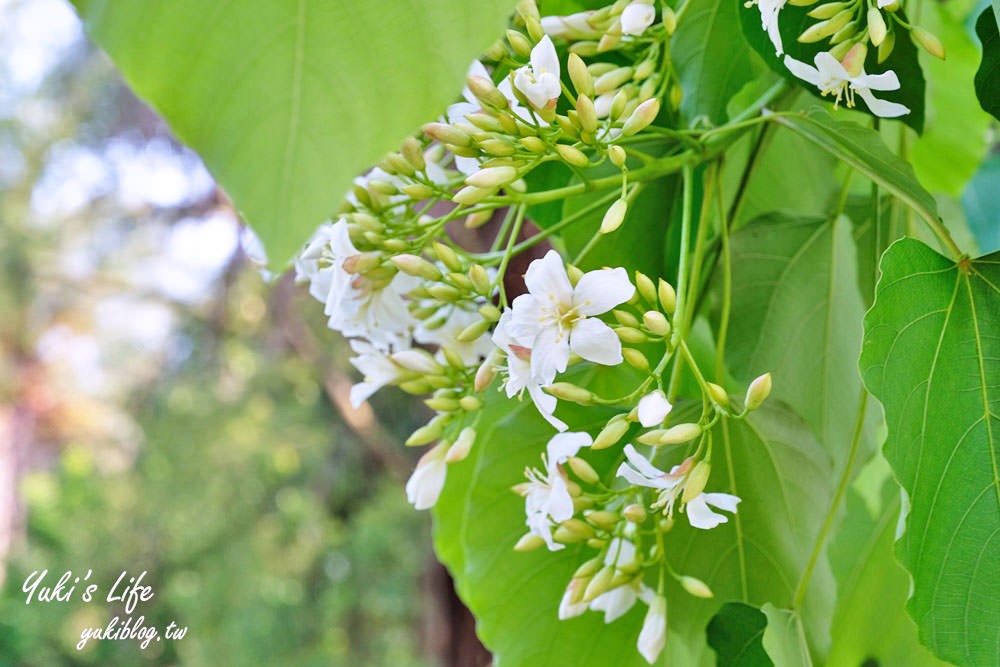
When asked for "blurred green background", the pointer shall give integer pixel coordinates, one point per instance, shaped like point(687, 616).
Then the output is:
point(168, 406)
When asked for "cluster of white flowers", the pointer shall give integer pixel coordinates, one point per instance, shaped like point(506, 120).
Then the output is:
point(850, 28)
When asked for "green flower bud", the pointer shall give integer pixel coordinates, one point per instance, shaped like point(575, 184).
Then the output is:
point(928, 41)
point(583, 470)
point(696, 481)
point(680, 433)
point(485, 374)
point(529, 542)
point(635, 358)
point(829, 10)
point(601, 583)
point(580, 75)
point(645, 287)
point(617, 156)
point(478, 219)
point(667, 295)
point(641, 118)
point(447, 134)
point(612, 80)
point(614, 216)
point(453, 358)
point(417, 191)
point(758, 391)
point(569, 129)
point(669, 20)
point(588, 569)
point(520, 44)
point(631, 335)
point(572, 155)
point(569, 392)
point(618, 104)
point(412, 265)
point(470, 195)
point(696, 587)
point(491, 177)
point(470, 403)
point(586, 113)
point(429, 432)
point(634, 513)
point(534, 144)
point(445, 293)
point(656, 322)
point(886, 47)
point(611, 434)
point(489, 312)
point(412, 151)
point(498, 147)
point(718, 394)
point(877, 30)
point(441, 403)
point(625, 318)
point(487, 93)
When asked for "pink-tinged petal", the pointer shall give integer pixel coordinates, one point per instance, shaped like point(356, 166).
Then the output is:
point(544, 58)
point(549, 355)
point(801, 70)
point(547, 281)
point(546, 404)
point(427, 480)
point(594, 340)
point(653, 409)
point(615, 603)
point(564, 445)
point(724, 501)
point(882, 108)
point(641, 463)
point(700, 516)
point(884, 81)
point(829, 67)
point(600, 291)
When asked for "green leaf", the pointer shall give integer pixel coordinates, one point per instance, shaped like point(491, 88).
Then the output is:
point(286, 102)
point(987, 79)
point(872, 588)
point(863, 149)
point(711, 60)
point(783, 638)
point(735, 634)
point(794, 296)
point(794, 20)
point(932, 357)
point(956, 126)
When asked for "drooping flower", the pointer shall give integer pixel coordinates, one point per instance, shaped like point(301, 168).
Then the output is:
point(546, 495)
point(636, 17)
point(554, 317)
point(519, 377)
point(653, 636)
point(574, 26)
point(653, 408)
point(427, 480)
point(539, 81)
point(769, 10)
point(831, 77)
point(699, 514)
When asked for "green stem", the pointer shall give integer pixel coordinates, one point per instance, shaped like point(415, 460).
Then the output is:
point(727, 283)
point(502, 271)
point(680, 331)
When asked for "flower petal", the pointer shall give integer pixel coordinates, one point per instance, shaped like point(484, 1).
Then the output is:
point(546, 404)
point(636, 17)
point(882, 108)
point(653, 636)
point(801, 70)
point(615, 603)
point(547, 281)
point(600, 291)
point(653, 409)
point(700, 516)
point(724, 501)
point(884, 81)
point(550, 354)
point(564, 445)
point(427, 480)
point(594, 340)
point(641, 463)
point(544, 59)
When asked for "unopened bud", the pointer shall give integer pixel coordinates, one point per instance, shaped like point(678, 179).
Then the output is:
point(928, 41)
point(447, 256)
point(441, 403)
point(611, 434)
point(463, 445)
point(453, 358)
point(416, 387)
point(667, 295)
point(676, 96)
point(758, 391)
point(579, 528)
point(489, 312)
point(569, 392)
point(612, 80)
point(600, 584)
point(477, 219)
point(498, 148)
point(480, 279)
point(618, 104)
point(473, 331)
point(412, 152)
point(487, 93)
point(828, 10)
point(877, 29)
point(696, 481)
point(417, 191)
point(362, 263)
point(614, 216)
point(645, 287)
point(470, 195)
point(696, 587)
point(617, 155)
point(718, 394)
point(491, 177)
point(416, 360)
point(427, 433)
point(412, 265)
point(886, 47)
point(447, 134)
point(602, 518)
point(825, 29)
point(520, 44)
point(669, 20)
point(533, 144)
point(635, 358)
point(678, 434)
point(635, 513)
point(631, 335)
point(574, 274)
point(529, 542)
point(580, 75)
point(656, 322)
point(572, 155)
point(588, 569)
point(470, 403)
point(584, 48)
point(625, 318)
point(586, 113)
point(583, 470)
point(642, 117)
point(486, 373)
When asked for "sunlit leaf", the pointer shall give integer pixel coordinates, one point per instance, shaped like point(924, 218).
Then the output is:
point(932, 357)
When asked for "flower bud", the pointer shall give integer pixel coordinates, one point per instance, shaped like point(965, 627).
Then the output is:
point(877, 29)
point(617, 156)
point(572, 155)
point(520, 44)
point(427, 433)
point(581, 503)
point(416, 387)
point(480, 280)
point(618, 104)
point(417, 361)
point(473, 331)
point(574, 274)
point(477, 219)
point(470, 195)
point(534, 144)
point(580, 75)
point(614, 216)
point(491, 177)
point(470, 403)
point(886, 47)
point(758, 391)
point(601, 583)
point(631, 335)
point(828, 10)
point(928, 41)
point(579, 528)
point(718, 394)
point(678, 434)
point(412, 265)
point(583, 470)
point(667, 295)
point(696, 481)
point(529, 542)
point(635, 358)
point(696, 587)
point(569, 392)
point(824, 29)
point(445, 293)
point(447, 134)
point(603, 519)
point(487, 93)
point(612, 80)
point(645, 287)
point(486, 372)
point(447, 256)
point(642, 117)
point(588, 569)
point(362, 263)
point(412, 152)
point(499, 148)
point(669, 20)
point(611, 434)
point(453, 358)
point(625, 318)
point(463, 445)
point(417, 191)
point(656, 322)
point(441, 403)
point(635, 513)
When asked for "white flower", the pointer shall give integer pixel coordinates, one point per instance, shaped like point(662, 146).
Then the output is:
point(643, 473)
point(546, 496)
point(554, 317)
point(376, 367)
point(653, 636)
point(653, 409)
point(831, 77)
point(539, 81)
point(700, 516)
point(575, 26)
point(427, 480)
point(636, 17)
point(519, 375)
point(769, 10)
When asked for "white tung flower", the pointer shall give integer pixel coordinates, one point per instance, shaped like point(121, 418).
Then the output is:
point(377, 370)
point(653, 408)
point(546, 496)
point(636, 17)
point(427, 480)
point(699, 514)
point(539, 81)
point(519, 377)
point(769, 10)
point(554, 317)
point(832, 78)
point(653, 636)
point(575, 26)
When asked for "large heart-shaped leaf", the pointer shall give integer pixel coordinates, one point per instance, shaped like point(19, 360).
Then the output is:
point(287, 101)
point(736, 634)
point(988, 76)
point(932, 356)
